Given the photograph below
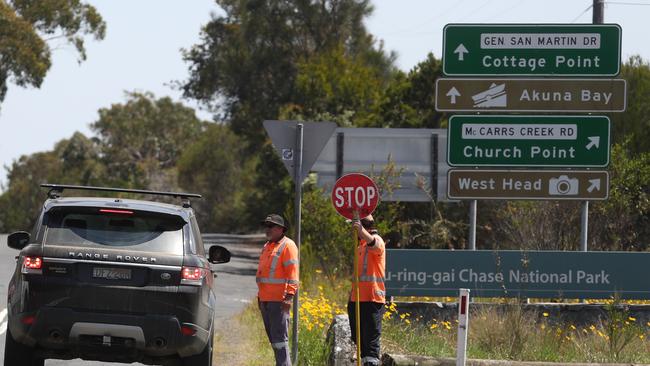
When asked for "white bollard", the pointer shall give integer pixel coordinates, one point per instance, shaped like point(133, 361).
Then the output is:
point(463, 325)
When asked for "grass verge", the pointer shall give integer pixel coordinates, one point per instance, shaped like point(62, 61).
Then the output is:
point(516, 335)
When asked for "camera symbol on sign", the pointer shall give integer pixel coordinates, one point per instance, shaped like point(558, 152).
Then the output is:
point(287, 154)
point(563, 186)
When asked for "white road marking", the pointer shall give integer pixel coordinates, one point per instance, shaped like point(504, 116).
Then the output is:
point(3, 326)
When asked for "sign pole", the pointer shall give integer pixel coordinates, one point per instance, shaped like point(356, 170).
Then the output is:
point(598, 17)
point(584, 226)
point(297, 209)
point(357, 305)
point(463, 325)
point(355, 195)
point(472, 224)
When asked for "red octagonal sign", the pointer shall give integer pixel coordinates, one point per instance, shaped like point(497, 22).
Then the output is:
point(355, 192)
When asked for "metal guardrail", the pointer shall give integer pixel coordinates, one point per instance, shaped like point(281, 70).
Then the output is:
point(233, 239)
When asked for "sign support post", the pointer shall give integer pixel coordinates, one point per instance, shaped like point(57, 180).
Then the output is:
point(357, 304)
point(585, 226)
point(597, 18)
point(472, 224)
point(297, 212)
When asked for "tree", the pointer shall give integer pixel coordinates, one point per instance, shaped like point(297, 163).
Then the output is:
point(26, 27)
point(622, 222)
point(248, 60)
point(632, 126)
point(247, 65)
point(334, 83)
point(73, 161)
point(409, 101)
point(216, 167)
point(142, 140)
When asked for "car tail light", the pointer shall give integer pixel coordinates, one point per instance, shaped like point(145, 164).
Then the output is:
point(186, 330)
point(28, 319)
point(32, 265)
point(193, 275)
point(33, 262)
point(119, 212)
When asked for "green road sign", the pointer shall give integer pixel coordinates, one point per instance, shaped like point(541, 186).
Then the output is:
point(529, 49)
point(528, 141)
point(537, 274)
point(578, 185)
point(530, 95)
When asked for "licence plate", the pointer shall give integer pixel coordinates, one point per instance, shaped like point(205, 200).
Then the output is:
point(112, 273)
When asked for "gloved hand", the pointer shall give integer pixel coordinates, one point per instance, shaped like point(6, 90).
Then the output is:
point(287, 302)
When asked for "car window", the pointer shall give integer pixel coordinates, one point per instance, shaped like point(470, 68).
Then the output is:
point(196, 233)
point(93, 227)
point(36, 230)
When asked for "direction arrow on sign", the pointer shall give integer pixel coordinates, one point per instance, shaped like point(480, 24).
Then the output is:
point(461, 51)
point(578, 185)
point(355, 192)
point(531, 49)
point(452, 94)
point(315, 137)
point(530, 95)
point(531, 141)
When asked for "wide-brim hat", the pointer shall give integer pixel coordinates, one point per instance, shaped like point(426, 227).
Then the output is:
point(274, 219)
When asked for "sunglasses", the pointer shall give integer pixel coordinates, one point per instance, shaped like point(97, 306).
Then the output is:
point(269, 225)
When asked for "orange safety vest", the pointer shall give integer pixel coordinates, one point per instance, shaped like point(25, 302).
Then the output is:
point(372, 268)
point(277, 271)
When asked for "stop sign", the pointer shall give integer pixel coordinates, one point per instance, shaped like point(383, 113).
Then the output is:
point(355, 192)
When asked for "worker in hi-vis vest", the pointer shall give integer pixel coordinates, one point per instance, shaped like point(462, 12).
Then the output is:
point(372, 292)
point(277, 283)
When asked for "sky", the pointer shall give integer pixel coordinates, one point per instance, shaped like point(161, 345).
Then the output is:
point(141, 52)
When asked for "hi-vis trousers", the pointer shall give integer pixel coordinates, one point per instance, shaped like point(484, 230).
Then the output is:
point(276, 323)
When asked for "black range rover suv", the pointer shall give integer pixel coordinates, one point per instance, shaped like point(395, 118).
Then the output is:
point(113, 280)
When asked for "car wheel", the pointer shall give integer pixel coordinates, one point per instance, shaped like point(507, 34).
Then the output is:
point(202, 359)
point(18, 354)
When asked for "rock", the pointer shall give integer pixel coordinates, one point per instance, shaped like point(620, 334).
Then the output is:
point(414, 360)
point(339, 338)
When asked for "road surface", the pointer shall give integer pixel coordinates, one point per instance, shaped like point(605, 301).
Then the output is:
point(235, 287)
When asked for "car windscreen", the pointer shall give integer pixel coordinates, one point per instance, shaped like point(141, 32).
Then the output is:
point(107, 227)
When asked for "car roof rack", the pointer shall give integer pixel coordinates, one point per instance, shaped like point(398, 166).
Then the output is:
point(57, 189)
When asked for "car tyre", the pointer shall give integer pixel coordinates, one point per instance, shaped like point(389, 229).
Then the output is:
point(18, 354)
point(202, 359)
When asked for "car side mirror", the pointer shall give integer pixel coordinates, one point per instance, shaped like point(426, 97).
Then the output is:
point(18, 240)
point(218, 254)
